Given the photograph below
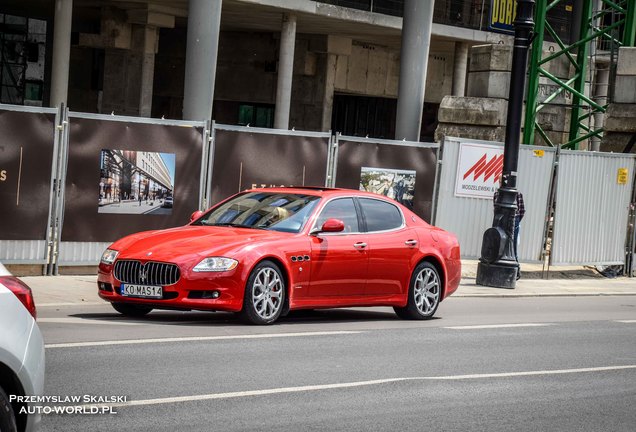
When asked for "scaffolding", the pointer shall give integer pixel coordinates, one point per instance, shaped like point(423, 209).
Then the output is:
point(600, 27)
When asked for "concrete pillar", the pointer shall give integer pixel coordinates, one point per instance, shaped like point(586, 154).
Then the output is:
point(147, 50)
point(330, 84)
point(285, 71)
point(600, 97)
point(61, 51)
point(416, 42)
point(204, 21)
point(460, 69)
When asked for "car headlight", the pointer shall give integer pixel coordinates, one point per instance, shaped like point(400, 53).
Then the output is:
point(216, 264)
point(108, 257)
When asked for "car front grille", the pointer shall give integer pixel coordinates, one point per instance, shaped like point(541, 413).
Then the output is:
point(150, 273)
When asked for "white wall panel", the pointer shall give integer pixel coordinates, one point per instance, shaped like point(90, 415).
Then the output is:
point(468, 218)
point(590, 220)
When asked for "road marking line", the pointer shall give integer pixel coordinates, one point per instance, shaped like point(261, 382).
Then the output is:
point(39, 305)
point(84, 321)
point(196, 339)
point(626, 321)
point(496, 326)
point(308, 388)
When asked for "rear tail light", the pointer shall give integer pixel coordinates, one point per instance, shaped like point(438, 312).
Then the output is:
point(21, 291)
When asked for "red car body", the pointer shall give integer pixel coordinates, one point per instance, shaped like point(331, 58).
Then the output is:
point(320, 270)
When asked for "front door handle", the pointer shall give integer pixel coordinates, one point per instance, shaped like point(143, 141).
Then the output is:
point(411, 243)
point(360, 245)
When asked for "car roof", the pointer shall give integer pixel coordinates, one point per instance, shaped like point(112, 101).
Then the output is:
point(306, 190)
point(322, 191)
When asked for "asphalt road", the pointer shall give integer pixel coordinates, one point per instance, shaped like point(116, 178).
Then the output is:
point(485, 364)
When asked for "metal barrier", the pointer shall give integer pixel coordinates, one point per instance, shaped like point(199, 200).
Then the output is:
point(593, 196)
point(469, 216)
point(118, 173)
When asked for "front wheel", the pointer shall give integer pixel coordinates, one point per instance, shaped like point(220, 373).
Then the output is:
point(424, 293)
point(264, 294)
point(129, 310)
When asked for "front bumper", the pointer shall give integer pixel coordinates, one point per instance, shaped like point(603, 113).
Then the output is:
point(229, 285)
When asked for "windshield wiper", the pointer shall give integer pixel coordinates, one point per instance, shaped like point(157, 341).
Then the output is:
point(235, 225)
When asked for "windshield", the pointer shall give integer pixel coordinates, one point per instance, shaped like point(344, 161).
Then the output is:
point(263, 210)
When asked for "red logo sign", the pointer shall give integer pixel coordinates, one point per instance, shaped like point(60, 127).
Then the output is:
point(492, 168)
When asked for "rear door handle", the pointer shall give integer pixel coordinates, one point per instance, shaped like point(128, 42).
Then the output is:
point(411, 243)
point(360, 245)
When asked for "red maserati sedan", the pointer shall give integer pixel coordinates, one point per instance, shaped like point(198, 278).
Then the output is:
point(264, 252)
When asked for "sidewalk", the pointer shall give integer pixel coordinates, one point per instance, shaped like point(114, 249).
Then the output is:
point(564, 281)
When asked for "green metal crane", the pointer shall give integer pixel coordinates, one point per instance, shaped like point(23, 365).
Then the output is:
point(604, 26)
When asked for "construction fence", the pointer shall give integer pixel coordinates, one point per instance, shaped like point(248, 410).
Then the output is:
point(72, 183)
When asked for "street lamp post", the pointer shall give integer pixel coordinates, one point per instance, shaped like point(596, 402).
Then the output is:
point(498, 266)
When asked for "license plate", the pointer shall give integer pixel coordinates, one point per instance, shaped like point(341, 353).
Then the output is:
point(129, 290)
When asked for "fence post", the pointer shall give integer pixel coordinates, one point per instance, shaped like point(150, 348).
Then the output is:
point(54, 191)
point(334, 150)
point(439, 166)
point(61, 182)
point(630, 242)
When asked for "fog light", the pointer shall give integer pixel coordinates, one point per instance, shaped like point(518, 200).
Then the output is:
point(103, 286)
point(206, 295)
point(211, 294)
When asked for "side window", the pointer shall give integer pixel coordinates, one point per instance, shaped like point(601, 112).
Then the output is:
point(380, 215)
point(343, 209)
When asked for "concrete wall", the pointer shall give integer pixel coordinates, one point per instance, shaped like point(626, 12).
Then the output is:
point(374, 70)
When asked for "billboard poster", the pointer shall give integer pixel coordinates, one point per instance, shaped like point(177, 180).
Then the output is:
point(502, 15)
point(402, 171)
point(136, 182)
point(26, 158)
point(392, 183)
point(479, 168)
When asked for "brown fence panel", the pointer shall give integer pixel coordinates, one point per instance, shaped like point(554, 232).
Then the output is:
point(401, 170)
point(122, 173)
point(244, 158)
point(26, 158)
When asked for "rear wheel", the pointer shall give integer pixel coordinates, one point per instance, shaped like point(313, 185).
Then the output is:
point(424, 293)
point(264, 294)
point(7, 417)
point(131, 310)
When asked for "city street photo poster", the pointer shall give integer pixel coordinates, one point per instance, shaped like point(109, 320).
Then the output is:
point(393, 183)
point(136, 182)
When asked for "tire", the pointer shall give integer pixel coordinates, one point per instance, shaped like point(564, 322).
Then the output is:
point(7, 416)
point(129, 310)
point(424, 293)
point(264, 297)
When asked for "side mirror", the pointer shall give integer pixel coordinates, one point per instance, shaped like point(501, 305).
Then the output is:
point(196, 215)
point(333, 226)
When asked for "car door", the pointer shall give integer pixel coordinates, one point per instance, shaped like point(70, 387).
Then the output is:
point(391, 248)
point(339, 260)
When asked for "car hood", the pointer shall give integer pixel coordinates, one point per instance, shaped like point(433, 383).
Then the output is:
point(189, 242)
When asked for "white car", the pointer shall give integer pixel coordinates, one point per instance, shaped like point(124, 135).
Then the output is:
point(21, 354)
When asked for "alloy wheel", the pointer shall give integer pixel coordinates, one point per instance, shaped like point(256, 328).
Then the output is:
point(267, 291)
point(426, 291)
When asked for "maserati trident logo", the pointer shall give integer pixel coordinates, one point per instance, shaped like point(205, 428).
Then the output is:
point(143, 274)
point(488, 168)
